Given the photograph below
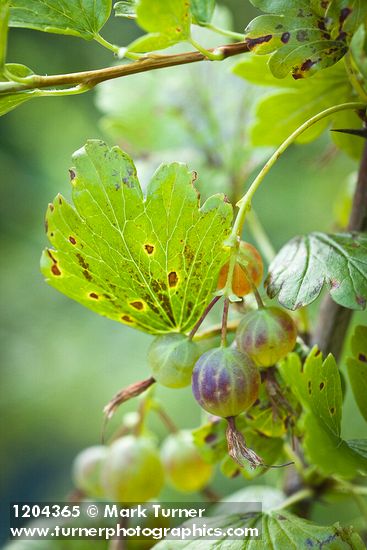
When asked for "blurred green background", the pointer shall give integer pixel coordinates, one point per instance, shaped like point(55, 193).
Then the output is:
point(60, 362)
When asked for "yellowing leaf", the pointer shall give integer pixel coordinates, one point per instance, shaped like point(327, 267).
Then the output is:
point(150, 262)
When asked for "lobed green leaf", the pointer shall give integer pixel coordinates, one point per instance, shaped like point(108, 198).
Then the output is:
point(305, 264)
point(166, 21)
point(83, 18)
point(279, 112)
point(149, 262)
point(357, 368)
point(202, 11)
point(313, 34)
point(279, 529)
point(317, 386)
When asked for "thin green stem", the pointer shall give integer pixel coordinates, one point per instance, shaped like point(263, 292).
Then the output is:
point(166, 419)
point(148, 62)
point(353, 76)
point(75, 90)
point(112, 47)
point(216, 330)
point(224, 32)
point(299, 466)
point(225, 323)
point(245, 203)
point(211, 55)
point(303, 494)
point(205, 313)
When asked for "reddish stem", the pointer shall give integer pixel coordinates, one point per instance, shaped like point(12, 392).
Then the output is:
point(206, 311)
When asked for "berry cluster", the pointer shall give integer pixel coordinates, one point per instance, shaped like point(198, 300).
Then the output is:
point(133, 469)
point(226, 382)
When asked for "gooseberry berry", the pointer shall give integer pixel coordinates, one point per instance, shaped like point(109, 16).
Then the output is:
point(185, 468)
point(132, 470)
point(225, 382)
point(266, 335)
point(172, 358)
point(244, 276)
point(86, 470)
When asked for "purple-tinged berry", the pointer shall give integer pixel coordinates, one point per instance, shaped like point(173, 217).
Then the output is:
point(266, 335)
point(225, 382)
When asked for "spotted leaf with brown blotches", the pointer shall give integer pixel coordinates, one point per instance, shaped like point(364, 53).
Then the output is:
point(151, 261)
point(313, 35)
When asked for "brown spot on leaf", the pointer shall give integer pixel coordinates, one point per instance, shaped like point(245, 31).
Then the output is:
point(332, 410)
point(253, 42)
point(127, 319)
point(149, 248)
point(60, 199)
point(51, 207)
point(189, 253)
point(72, 240)
point(72, 174)
point(322, 386)
point(87, 275)
point(306, 66)
point(55, 270)
point(82, 262)
point(46, 226)
point(172, 279)
point(309, 385)
point(137, 305)
point(285, 37)
point(51, 256)
point(94, 296)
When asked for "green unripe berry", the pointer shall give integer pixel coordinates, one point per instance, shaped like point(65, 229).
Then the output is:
point(266, 335)
point(86, 470)
point(185, 469)
point(225, 382)
point(132, 471)
point(172, 358)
